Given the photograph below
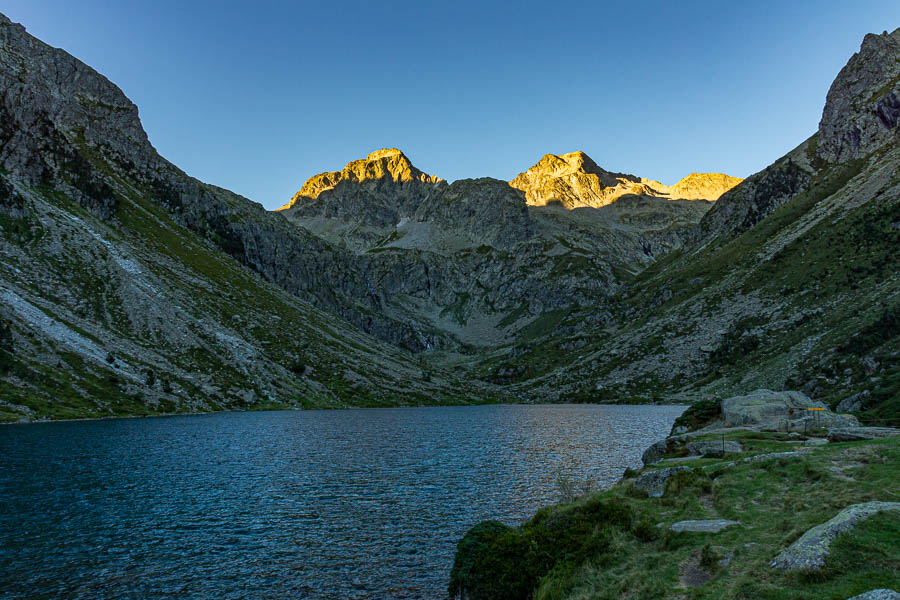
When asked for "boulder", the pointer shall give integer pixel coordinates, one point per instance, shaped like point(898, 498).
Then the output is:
point(809, 552)
point(768, 410)
point(655, 452)
point(675, 443)
point(654, 482)
point(881, 594)
point(852, 403)
point(856, 434)
point(715, 449)
point(702, 525)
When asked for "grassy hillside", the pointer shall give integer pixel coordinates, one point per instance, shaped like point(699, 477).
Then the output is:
point(617, 544)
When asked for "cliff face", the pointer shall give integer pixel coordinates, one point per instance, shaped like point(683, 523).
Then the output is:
point(862, 109)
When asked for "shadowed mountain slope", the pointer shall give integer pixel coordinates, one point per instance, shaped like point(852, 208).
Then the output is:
point(128, 287)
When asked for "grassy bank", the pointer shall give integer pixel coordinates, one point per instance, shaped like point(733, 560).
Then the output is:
point(617, 543)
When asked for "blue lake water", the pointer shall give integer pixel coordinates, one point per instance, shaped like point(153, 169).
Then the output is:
point(365, 503)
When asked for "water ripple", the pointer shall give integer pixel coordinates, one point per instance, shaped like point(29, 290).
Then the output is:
point(355, 504)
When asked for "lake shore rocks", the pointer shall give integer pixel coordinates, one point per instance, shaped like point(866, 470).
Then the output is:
point(776, 411)
point(715, 449)
point(654, 482)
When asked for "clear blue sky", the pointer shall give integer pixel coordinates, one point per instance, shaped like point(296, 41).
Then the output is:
point(258, 96)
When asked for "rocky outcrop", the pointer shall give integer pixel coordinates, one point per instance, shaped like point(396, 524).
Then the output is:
point(681, 445)
point(862, 109)
point(882, 594)
point(756, 197)
point(378, 190)
point(713, 449)
point(809, 552)
point(484, 211)
point(857, 434)
point(654, 482)
point(768, 410)
point(575, 181)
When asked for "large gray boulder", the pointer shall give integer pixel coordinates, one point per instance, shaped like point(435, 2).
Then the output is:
point(856, 434)
point(714, 448)
point(654, 482)
point(769, 410)
point(881, 594)
point(810, 550)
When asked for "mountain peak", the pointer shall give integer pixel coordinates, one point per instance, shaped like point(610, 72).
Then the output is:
point(862, 109)
point(574, 180)
point(385, 165)
point(384, 152)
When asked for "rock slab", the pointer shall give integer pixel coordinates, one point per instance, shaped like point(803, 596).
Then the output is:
point(810, 550)
point(857, 434)
point(715, 449)
point(881, 594)
point(702, 525)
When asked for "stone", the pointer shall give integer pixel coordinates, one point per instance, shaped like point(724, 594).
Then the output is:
point(852, 403)
point(856, 434)
point(714, 449)
point(815, 442)
point(702, 525)
point(654, 482)
point(882, 594)
point(656, 452)
point(769, 410)
point(809, 552)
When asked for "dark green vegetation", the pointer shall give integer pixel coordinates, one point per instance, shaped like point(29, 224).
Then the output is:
point(698, 415)
point(608, 545)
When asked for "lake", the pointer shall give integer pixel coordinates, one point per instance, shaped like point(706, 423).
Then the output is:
point(363, 503)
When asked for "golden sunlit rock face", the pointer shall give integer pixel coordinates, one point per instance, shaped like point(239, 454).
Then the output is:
point(574, 180)
point(385, 164)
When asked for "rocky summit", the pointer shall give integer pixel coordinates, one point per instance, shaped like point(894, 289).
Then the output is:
point(574, 181)
point(129, 287)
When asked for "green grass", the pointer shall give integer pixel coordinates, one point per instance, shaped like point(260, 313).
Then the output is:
point(585, 549)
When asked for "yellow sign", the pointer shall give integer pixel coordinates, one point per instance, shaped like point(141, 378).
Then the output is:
point(815, 408)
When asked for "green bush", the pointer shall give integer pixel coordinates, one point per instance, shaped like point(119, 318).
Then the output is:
point(495, 561)
point(699, 414)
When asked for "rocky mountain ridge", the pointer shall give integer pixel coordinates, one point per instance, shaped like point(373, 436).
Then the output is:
point(575, 181)
point(128, 286)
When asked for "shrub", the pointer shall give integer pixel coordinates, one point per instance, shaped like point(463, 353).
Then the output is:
point(646, 531)
point(698, 415)
point(496, 561)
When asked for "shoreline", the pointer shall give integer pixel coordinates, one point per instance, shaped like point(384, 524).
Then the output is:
point(338, 408)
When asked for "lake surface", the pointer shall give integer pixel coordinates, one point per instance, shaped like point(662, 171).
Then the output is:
point(365, 503)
